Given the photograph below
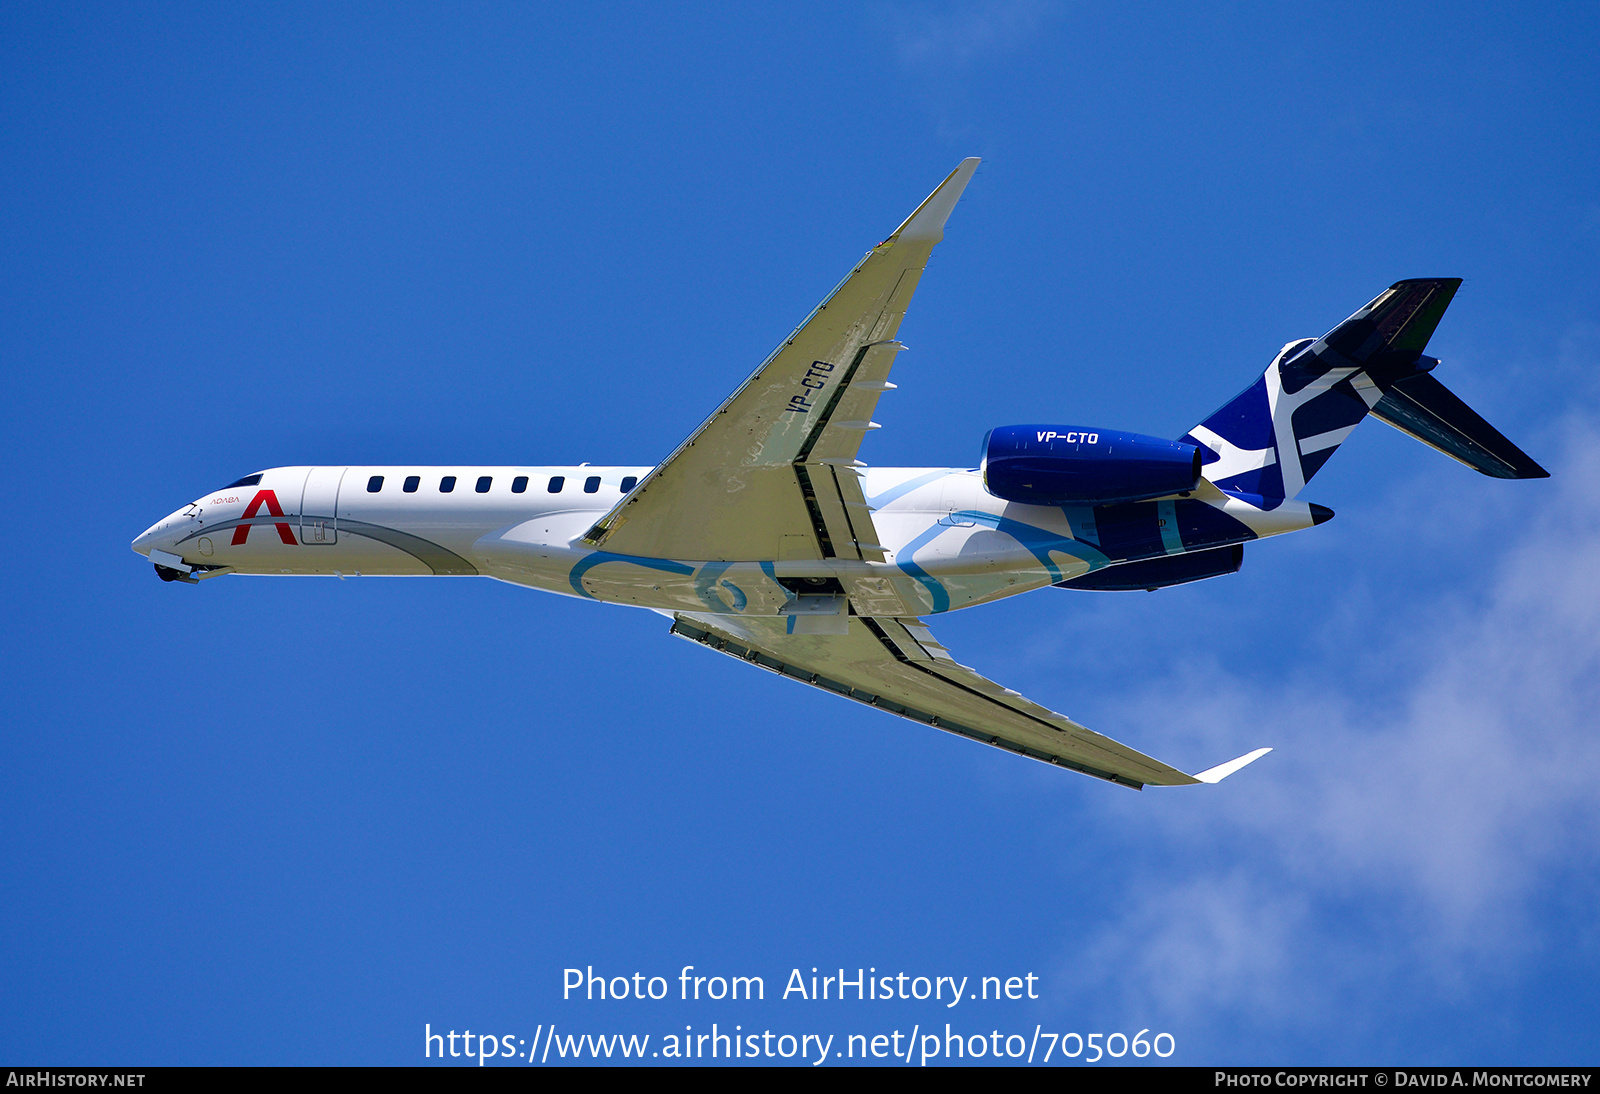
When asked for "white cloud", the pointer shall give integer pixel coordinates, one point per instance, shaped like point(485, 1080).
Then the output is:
point(1410, 825)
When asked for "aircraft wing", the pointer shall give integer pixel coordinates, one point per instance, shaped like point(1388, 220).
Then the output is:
point(897, 665)
point(772, 473)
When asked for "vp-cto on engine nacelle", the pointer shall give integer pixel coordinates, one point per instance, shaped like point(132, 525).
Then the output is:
point(1059, 464)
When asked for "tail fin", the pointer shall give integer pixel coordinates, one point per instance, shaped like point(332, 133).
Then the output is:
point(1274, 436)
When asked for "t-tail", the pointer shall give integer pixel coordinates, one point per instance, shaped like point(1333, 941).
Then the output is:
point(1267, 442)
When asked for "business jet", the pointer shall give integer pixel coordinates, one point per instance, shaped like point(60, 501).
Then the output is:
point(764, 537)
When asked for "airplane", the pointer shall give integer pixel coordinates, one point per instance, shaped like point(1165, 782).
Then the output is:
point(764, 537)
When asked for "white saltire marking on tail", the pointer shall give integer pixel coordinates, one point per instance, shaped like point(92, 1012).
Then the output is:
point(1232, 460)
point(1330, 439)
point(1370, 393)
point(1282, 406)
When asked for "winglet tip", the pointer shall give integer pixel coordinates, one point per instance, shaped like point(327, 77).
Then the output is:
point(927, 223)
point(1222, 771)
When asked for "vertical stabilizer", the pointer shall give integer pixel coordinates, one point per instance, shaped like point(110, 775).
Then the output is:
point(1267, 442)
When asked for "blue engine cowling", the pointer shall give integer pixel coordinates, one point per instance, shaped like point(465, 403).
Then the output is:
point(1057, 464)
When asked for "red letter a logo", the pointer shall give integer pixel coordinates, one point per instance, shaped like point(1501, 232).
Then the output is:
point(242, 532)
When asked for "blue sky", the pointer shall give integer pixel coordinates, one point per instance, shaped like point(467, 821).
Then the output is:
point(292, 821)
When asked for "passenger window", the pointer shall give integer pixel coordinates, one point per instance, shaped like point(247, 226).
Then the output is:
point(629, 482)
point(447, 484)
point(591, 484)
point(374, 484)
point(412, 482)
point(557, 482)
point(519, 484)
point(483, 483)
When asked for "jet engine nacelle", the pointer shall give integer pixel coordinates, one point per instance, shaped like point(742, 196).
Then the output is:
point(1056, 464)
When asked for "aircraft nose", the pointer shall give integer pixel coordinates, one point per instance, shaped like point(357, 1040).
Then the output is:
point(163, 534)
point(149, 538)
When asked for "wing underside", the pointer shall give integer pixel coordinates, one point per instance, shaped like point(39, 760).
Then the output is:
point(898, 666)
point(772, 473)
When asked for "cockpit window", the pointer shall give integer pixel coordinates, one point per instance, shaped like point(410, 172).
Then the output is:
point(248, 480)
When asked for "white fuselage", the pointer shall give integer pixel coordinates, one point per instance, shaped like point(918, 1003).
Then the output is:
point(947, 542)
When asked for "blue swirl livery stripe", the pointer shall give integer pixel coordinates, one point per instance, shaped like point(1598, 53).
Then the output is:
point(596, 558)
point(1038, 542)
point(941, 599)
point(1167, 521)
point(896, 492)
point(706, 584)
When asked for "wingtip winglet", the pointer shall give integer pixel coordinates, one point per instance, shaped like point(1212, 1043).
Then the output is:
point(927, 223)
point(1222, 771)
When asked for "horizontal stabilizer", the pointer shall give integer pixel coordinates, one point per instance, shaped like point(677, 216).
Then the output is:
point(1386, 336)
point(1427, 410)
point(1222, 771)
